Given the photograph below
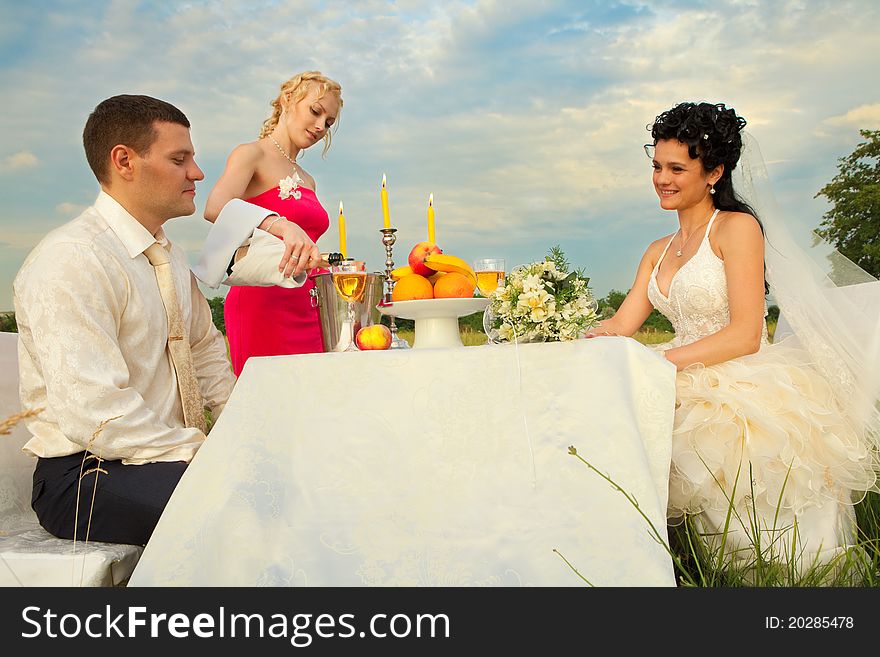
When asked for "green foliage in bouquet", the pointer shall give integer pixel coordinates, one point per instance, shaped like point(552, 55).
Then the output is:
point(541, 301)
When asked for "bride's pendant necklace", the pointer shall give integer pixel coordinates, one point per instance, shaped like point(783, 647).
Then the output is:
point(289, 186)
point(681, 248)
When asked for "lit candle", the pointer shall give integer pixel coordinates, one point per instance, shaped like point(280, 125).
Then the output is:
point(342, 232)
point(431, 219)
point(386, 218)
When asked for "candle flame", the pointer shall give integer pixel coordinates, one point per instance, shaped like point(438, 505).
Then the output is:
point(431, 199)
point(340, 207)
point(383, 180)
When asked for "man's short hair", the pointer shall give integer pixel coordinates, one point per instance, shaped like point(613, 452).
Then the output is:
point(128, 120)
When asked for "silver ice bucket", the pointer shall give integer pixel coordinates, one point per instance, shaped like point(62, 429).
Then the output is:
point(333, 310)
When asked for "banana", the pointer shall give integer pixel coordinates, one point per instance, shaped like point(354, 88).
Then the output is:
point(400, 272)
point(450, 263)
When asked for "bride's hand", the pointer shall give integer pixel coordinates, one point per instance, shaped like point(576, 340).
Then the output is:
point(599, 330)
point(300, 252)
point(597, 333)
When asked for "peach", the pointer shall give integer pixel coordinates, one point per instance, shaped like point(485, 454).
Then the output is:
point(375, 336)
point(412, 287)
point(417, 257)
point(453, 285)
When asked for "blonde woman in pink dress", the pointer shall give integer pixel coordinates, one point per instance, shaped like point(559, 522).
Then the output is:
point(272, 321)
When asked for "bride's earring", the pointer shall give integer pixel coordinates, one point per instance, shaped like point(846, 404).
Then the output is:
point(712, 189)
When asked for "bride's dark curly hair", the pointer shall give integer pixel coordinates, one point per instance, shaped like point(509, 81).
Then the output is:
point(712, 133)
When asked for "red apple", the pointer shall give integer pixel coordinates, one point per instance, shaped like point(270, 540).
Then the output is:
point(417, 258)
point(375, 336)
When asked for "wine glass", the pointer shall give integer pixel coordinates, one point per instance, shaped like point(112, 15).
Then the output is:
point(490, 274)
point(350, 281)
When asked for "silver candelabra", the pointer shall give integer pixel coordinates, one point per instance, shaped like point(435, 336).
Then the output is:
point(388, 239)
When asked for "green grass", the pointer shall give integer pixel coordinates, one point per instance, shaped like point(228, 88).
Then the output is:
point(699, 565)
point(469, 337)
point(649, 337)
point(703, 563)
point(472, 338)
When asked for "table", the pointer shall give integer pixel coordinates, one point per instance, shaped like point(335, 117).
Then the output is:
point(429, 467)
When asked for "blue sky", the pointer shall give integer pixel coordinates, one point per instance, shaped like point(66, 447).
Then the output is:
point(524, 119)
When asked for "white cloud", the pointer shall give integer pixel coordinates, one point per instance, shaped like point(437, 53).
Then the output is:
point(864, 117)
point(20, 160)
point(20, 238)
point(525, 120)
point(69, 209)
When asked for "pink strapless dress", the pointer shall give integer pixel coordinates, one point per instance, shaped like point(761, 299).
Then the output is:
point(275, 321)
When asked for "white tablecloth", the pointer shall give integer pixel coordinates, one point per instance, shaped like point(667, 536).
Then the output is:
point(425, 467)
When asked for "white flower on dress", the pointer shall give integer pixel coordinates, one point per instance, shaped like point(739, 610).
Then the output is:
point(289, 186)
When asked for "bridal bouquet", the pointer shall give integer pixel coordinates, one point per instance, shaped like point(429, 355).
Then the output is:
point(541, 302)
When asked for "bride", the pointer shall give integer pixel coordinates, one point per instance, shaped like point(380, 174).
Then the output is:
point(780, 435)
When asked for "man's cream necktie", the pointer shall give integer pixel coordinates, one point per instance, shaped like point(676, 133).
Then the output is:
point(178, 340)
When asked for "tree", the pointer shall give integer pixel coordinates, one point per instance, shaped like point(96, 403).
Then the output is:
point(611, 304)
point(7, 323)
point(216, 305)
point(853, 224)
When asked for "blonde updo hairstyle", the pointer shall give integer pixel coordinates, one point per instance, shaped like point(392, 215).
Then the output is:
point(294, 90)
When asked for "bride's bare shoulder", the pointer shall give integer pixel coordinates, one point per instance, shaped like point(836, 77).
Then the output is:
point(738, 225)
point(655, 248)
point(661, 242)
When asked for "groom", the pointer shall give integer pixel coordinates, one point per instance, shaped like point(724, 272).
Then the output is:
point(117, 344)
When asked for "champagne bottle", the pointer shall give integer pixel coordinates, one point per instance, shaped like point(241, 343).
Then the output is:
point(330, 259)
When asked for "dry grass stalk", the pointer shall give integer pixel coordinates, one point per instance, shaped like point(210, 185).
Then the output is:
point(7, 424)
point(87, 455)
point(6, 427)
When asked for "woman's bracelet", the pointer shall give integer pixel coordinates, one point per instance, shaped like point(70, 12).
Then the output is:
point(272, 223)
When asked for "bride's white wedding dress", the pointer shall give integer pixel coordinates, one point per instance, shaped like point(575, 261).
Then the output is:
point(767, 424)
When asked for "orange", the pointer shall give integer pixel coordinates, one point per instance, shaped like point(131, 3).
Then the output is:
point(412, 286)
point(453, 285)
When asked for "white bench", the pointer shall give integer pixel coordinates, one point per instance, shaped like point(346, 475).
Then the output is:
point(29, 555)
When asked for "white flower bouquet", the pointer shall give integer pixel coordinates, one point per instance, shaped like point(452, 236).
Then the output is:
point(541, 301)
